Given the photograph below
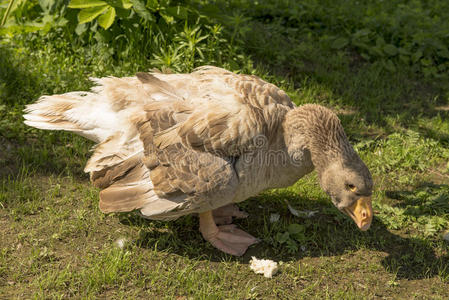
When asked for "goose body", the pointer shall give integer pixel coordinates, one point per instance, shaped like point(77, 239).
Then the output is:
point(175, 144)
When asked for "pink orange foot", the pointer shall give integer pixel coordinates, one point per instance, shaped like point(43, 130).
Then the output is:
point(227, 238)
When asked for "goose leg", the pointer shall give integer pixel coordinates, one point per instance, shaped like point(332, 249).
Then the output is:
point(224, 214)
point(227, 238)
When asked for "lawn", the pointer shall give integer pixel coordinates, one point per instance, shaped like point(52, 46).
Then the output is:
point(382, 67)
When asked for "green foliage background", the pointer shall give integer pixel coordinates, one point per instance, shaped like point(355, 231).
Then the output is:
point(183, 34)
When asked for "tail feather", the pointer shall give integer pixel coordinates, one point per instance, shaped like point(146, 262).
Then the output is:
point(84, 113)
point(105, 115)
point(48, 113)
point(97, 115)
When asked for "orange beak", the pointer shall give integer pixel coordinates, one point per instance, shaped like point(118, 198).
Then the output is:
point(361, 212)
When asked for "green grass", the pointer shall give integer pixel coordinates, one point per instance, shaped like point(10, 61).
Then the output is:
point(55, 243)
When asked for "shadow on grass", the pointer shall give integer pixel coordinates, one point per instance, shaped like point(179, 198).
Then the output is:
point(19, 148)
point(408, 258)
point(16, 83)
point(426, 199)
point(23, 147)
point(44, 154)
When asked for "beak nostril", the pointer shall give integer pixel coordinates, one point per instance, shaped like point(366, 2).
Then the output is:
point(361, 212)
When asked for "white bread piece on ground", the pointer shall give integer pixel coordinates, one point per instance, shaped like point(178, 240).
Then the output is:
point(266, 267)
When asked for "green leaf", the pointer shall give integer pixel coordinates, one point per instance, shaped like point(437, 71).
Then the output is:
point(430, 228)
point(362, 32)
point(126, 4)
point(404, 51)
point(389, 65)
point(416, 56)
point(85, 3)
point(88, 14)
point(80, 29)
point(123, 13)
point(390, 49)
point(380, 41)
point(443, 53)
point(365, 56)
point(47, 5)
point(339, 43)
point(282, 237)
point(141, 10)
point(376, 51)
point(295, 229)
point(103, 36)
point(404, 58)
point(168, 19)
point(426, 62)
point(153, 4)
point(177, 12)
point(106, 19)
point(292, 246)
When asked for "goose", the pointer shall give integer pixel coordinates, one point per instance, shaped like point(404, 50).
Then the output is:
point(168, 145)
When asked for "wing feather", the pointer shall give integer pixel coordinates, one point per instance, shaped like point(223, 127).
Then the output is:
point(228, 125)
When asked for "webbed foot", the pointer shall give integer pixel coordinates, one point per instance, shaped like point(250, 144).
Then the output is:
point(227, 238)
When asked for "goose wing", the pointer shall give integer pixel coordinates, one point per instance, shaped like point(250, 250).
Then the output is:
point(192, 132)
point(228, 111)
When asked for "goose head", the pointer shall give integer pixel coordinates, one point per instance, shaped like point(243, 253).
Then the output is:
point(349, 186)
point(341, 172)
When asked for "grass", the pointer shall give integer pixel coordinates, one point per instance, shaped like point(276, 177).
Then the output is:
point(57, 244)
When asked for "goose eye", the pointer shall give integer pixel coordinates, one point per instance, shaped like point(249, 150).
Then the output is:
point(351, 187)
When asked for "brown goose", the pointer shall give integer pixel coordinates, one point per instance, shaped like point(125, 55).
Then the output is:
point(176, 144)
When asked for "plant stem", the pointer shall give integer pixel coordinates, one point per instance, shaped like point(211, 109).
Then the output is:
point(8, 9)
